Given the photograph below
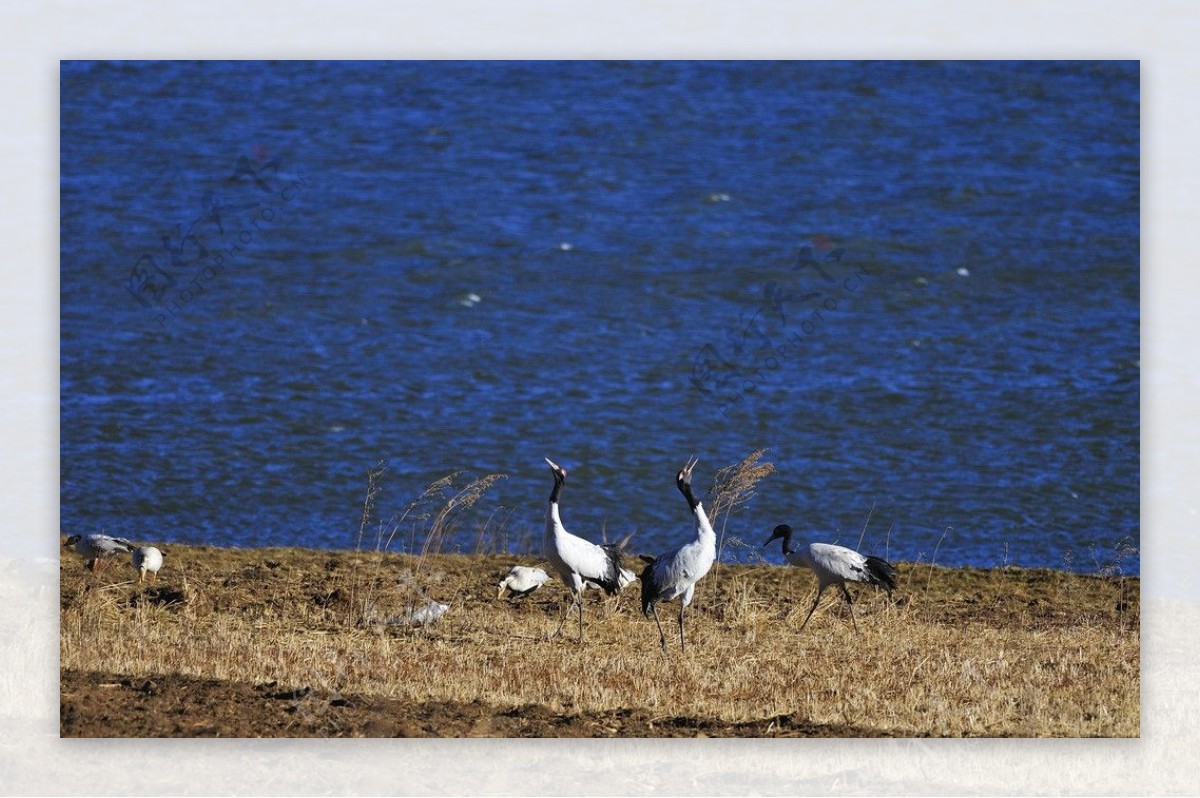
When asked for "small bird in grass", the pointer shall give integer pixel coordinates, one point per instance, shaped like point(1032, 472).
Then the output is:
point(835, 565)
point(521, 581)
point(95, 548)
point(147, 559)
point(577, 561)
point(424, 615)
point(675, 574)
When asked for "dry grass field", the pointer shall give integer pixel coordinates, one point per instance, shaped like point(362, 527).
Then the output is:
point(295, 642)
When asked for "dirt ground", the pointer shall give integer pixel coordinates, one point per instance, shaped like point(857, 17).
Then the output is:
point(101, 705)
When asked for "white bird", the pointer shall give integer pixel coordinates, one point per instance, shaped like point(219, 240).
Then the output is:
point(835, 565)
point(421, 616)
point(147, 559)
point(675, 574)
point(95, 548)
point(577, 561)
point(522, 580)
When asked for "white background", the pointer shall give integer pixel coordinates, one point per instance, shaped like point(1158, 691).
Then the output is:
point(1164, 36)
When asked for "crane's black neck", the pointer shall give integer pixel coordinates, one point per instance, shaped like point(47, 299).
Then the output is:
point(787, 541)
point(686, 489)
point(558, 483)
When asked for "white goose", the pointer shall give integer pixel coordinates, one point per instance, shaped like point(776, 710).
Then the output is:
point(675, 574)
point(521, 581)
point(577, 561)
point(147, 559)
point(95, 548)
point(835, 565)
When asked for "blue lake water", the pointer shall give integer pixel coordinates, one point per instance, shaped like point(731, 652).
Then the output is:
point(917, 284)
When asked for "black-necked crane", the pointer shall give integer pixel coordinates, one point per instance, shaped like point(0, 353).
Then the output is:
point(835, 565)
point(577, 561)
point(675, 574)
point(95, 548)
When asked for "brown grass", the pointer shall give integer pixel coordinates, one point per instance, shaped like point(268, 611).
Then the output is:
point(962, 652)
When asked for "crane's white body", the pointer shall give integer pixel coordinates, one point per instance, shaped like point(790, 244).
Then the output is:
point(674, 574)
point(147, 560)
point(95, 548)
point(575, 560)
point(832, 564)
point(677, 571)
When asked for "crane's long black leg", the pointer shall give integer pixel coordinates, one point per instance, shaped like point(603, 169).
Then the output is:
point(850, 601)
point(581, 594)
point(682, 647)
point(662, 638)
point(816, 601)
point(561, 622)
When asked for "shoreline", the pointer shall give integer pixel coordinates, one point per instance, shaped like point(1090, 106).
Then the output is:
point(631, 556)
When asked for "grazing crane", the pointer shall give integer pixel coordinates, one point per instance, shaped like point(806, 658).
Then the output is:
point(147, 559)
point(577, 561)
point(835, 565)
point(95, 548)
point(522, 580)
point(675, 574)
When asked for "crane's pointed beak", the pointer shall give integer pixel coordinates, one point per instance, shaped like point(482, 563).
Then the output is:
point(685, 473)
point(500, 593)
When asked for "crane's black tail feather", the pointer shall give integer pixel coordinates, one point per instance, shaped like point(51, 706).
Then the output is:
point(611, 581)
point(882, 572)
point(649, 591)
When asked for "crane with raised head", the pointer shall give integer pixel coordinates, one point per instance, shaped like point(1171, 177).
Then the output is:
point(577, 561)
point(674, 574)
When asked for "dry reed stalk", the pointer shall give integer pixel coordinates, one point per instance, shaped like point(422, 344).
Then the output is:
point(364, 601)
point(732, 487)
